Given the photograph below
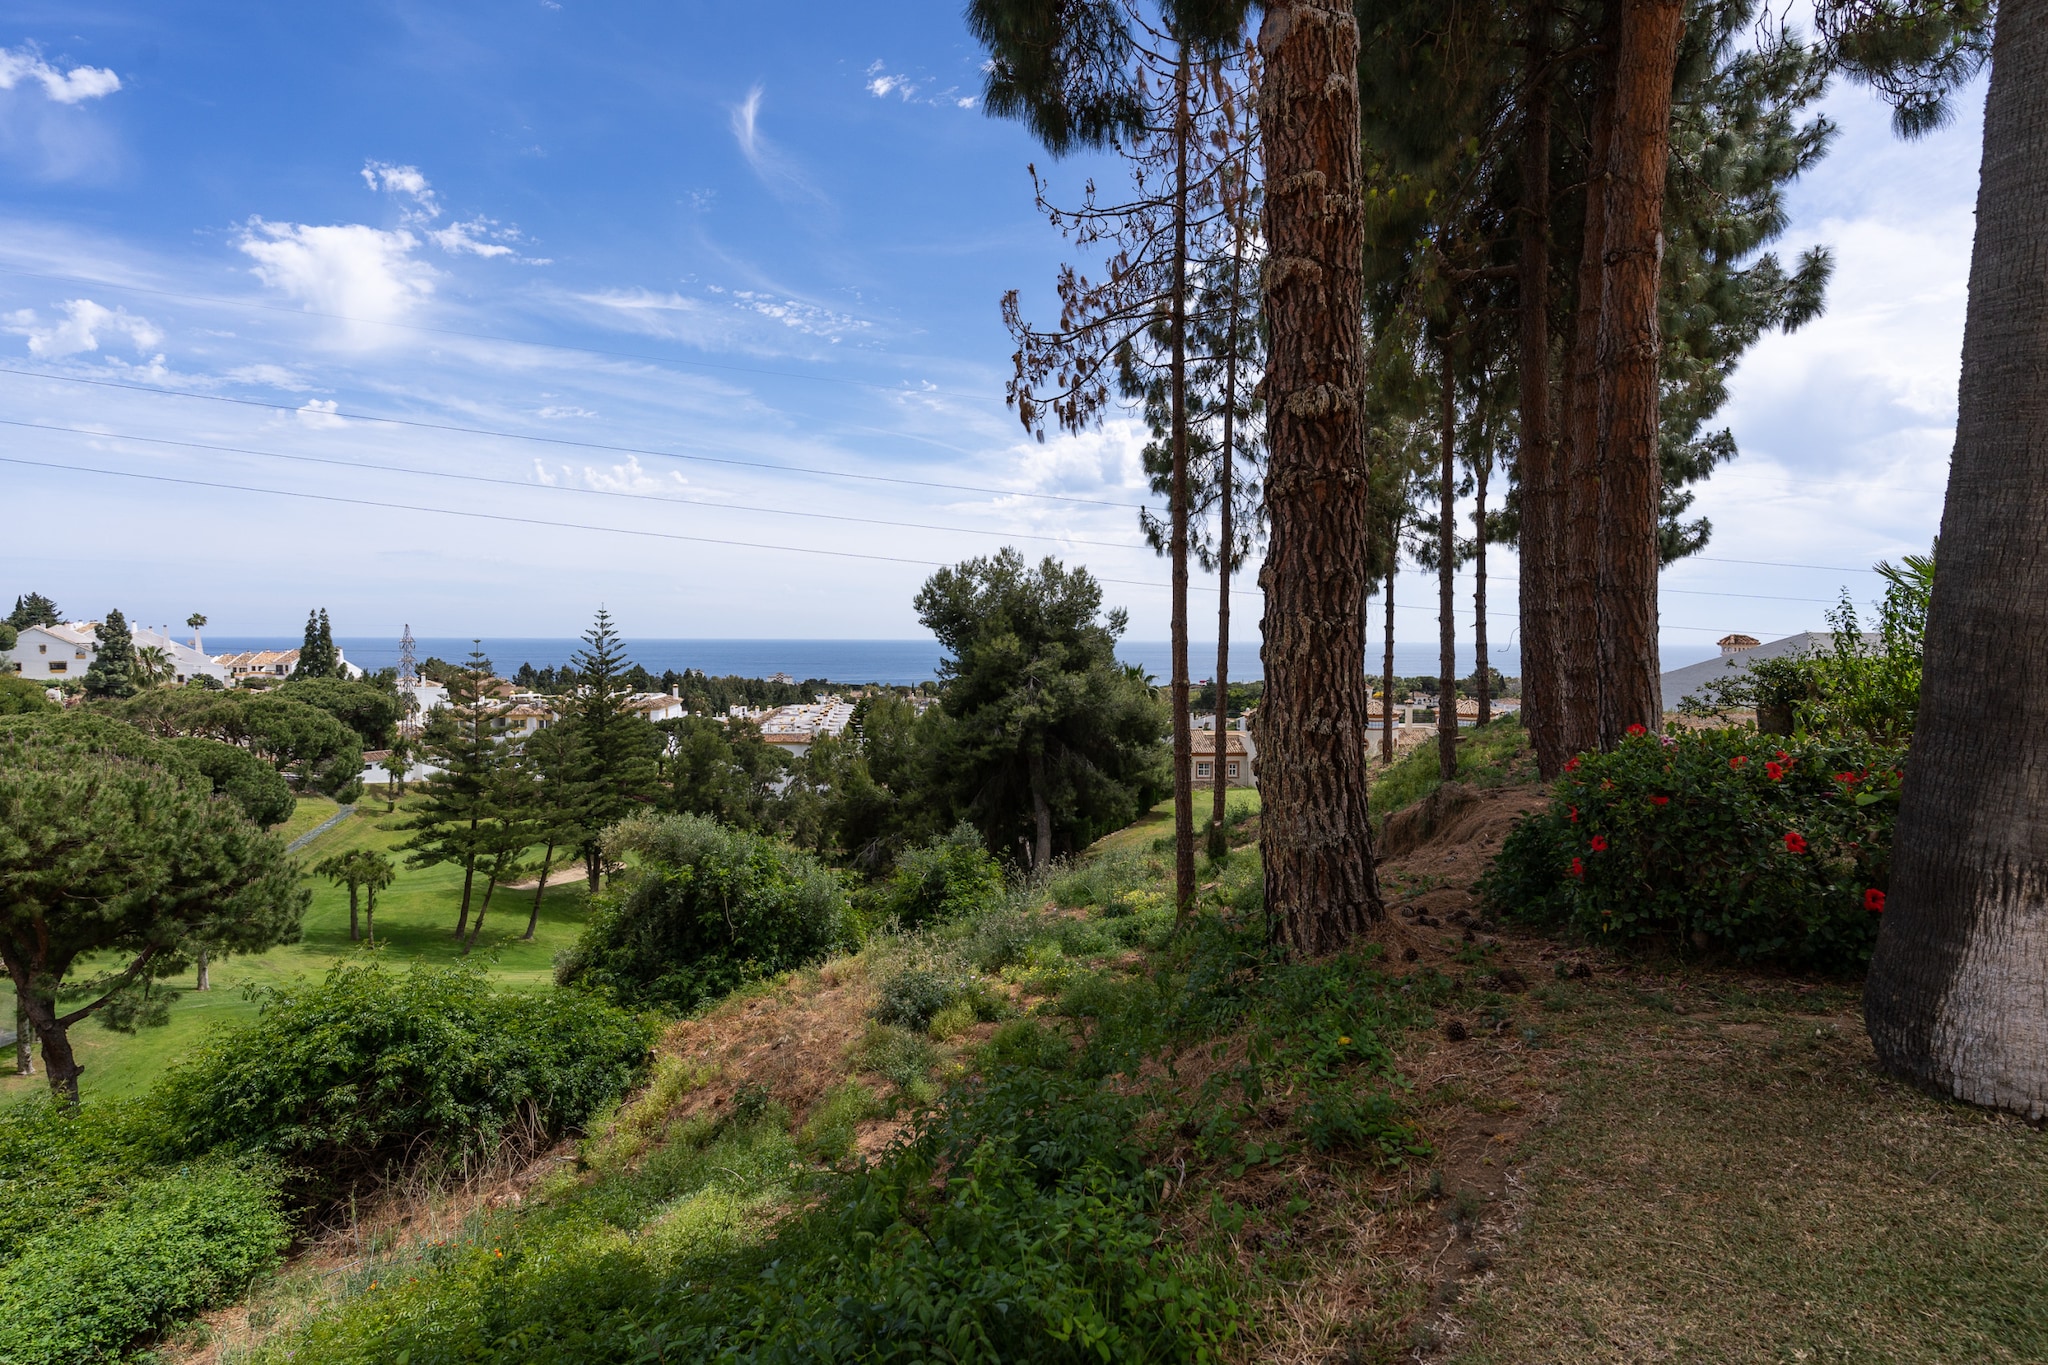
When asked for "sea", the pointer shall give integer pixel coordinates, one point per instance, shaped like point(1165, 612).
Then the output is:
point(851, 662)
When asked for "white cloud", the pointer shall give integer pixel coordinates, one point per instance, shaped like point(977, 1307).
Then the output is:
point(727, 318)
point(270, 376)
point(769, 162)
point(83, 324)
point(882, 84)
point(552, 412)
point(362, 274)
point(75, 86)
point(320, 414)
point(457, 238)
point(405, 180)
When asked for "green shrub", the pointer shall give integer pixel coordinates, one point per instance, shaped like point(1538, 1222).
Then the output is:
point(89, 1289)
point(912, 996)
point(368, 1068)
point(950, 877)
point(1488, 756)
point(897, 1055)
point(708, 908)
point(1774, 850)
point(58, 1162)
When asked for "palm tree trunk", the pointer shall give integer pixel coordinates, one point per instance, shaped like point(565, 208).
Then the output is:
point(1957, 998)
point(1537, 458)
point(1183, 739)
point(354, 929)
point(1446, 568)
point(547, 860)
point(1482, 676)
point(370, 915)
point(1314, 830)
point(1631, 472)
point(1577, 618)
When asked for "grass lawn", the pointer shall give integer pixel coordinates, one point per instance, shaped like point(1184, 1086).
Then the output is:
point(415, 923)
point(1240, 803)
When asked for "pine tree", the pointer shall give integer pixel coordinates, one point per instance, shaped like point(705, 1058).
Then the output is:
point(617, 748)
point(453, 816)
point(112, 674)
point(34, 609)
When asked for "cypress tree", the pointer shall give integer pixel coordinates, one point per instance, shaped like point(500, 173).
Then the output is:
point(112, 673)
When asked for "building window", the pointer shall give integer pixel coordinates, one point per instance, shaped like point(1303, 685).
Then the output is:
point(42, 649)
point(1201, 770)
point(59, 666)
point(1232, 770)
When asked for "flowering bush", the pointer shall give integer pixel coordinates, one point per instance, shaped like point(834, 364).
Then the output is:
point(1766, 848)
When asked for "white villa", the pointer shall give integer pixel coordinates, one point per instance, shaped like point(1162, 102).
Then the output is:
point(793, 729)
point(271, 663)
point(58, 653)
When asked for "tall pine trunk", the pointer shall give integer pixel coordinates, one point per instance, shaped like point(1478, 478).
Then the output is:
point(1631, 473)
point(202, 979)
point(1578, 545)
point(547, 861)
point(1041, 815)
point(1537, 457)
point(24, 1041)
point(1387, 678)
point(1315, 832)
point(1446, 570)
point(1482, 674)
point(1219, 839)
point(1957, 997)
point(1183, 738)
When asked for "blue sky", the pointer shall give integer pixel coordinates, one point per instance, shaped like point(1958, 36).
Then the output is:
point(750, 234)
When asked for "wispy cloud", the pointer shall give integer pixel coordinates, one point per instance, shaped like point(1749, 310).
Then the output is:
point(885, 84)
point(319, 413)
point(774, 167)
point(80, 329)
point(729, 317)
point(475, 236)
point(75, 86)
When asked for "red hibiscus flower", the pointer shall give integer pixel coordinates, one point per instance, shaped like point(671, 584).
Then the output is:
point(1784, 757)
point(1738, 760)
point(1599, 844)
point(1848, 779)
point(1774, 771)
point(1575, 815)
point(1571, 765)
point(1795, 842)
point(1637, 730)
point(1873, 901)
point(1578, 868)
point(1660, 800)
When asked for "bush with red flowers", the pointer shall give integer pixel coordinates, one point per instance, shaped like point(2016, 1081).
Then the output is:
point(1756, 846)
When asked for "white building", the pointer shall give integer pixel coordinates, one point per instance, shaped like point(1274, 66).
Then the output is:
point(274, 663)
point(793, 729)
point(58, 653)
point(1738, 652)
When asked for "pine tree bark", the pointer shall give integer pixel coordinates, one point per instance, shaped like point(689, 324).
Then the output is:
point(1578, 553)
point(1315, 833)
point(547, 861)
point(1446, 569)
point(1041, 813)
point(1957, 997)
point(1631, 471)
point(1219, 839)
point(1537, 458)
point(1183, 738)
point(1387, 662)
point(1482, 673)
point(24, 1041)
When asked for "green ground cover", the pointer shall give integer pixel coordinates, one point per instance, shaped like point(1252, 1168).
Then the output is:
point(415, 923)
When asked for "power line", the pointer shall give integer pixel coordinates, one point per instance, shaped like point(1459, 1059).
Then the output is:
point(619, 530)
point(567, 441)
point(480, 336)
point(564, 488)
